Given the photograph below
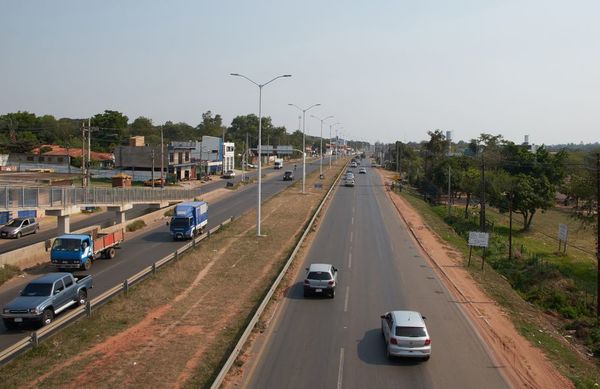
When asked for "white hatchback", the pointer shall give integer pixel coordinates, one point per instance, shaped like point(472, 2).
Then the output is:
point(405, 335)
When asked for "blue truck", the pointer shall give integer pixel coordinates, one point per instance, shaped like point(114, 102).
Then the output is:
point(45, 297)
point(189, 219)
point(77, 251)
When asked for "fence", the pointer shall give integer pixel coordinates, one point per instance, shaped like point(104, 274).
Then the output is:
point(13, 197)
point(44, 332)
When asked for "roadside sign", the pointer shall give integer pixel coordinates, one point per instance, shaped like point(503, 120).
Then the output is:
point(478, 239)
point(562, 232)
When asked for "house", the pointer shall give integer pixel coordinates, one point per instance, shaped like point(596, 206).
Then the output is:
point(58, 155)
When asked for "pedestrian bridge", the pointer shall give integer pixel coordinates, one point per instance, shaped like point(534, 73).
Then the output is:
point(64, 201)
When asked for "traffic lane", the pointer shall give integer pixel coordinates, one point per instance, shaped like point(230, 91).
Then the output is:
point(140, 252)
point(383, 271)
point(397, 277)
point(103, 219)
point(303, 348)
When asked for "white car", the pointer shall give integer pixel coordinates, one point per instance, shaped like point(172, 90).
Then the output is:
point(362, 170)
point(229, 174)
point(320, 278)
point(405, 335)
point(353, 164)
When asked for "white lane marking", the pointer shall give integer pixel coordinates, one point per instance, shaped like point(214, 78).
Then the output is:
point(346, 299)
point(349, 260)
point(341, 369)
point(351, 235)
point(352, 220)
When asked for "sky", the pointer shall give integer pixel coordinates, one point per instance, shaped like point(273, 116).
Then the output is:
point(386, 70)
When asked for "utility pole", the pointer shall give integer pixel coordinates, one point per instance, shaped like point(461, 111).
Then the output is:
point(89, 151)
point(482, 199)
point(510, 207)
point(162, 158)
point(152, 175)
point(598, 233)
point(449, 138)
point(83, 183)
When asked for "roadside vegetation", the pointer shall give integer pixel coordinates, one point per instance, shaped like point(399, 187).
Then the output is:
point(540, 189)
point(7, 272)
point(136, 225)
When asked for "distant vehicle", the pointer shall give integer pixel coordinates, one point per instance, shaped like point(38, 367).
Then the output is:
point(405, 335)
point(229, 174)
point(349, 175)
point(45, 297)
point(249, 165)
point(19, 227)
point(189, 220)
point(278, 163)
point(320, 278)
point(157, 182)
point(288, 175)
point(362, 170)
point(349, 182)
point(353, 164)
point(77, 251)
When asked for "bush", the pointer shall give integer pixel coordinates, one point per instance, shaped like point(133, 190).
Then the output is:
point(169, 212)
point(136, 225)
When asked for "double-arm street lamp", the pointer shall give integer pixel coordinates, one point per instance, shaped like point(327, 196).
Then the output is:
point(303, 140)
point(321, 146)
point(260, 86)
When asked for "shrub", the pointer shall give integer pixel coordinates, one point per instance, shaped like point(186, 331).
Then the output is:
point(136, 225)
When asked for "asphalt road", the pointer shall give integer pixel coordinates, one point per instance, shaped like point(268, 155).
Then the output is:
point(146, 248)
point(325, 343)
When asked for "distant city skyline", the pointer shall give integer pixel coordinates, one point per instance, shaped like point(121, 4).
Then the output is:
point(386, 70)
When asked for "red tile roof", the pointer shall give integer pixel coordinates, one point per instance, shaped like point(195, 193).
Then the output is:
point(73, 152)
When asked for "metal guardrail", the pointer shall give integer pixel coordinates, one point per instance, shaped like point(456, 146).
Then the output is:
point(33, 340)
point(259, 311)
point(19, 197)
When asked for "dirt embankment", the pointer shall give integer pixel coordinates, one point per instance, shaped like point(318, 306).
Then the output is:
point(525, 366)
point(175, 328)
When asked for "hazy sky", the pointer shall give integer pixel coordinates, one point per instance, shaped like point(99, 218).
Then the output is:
point(386, 69)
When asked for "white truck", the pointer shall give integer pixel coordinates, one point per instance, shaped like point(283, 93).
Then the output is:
point(278, 163)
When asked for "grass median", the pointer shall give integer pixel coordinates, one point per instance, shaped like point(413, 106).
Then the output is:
point(176, 328)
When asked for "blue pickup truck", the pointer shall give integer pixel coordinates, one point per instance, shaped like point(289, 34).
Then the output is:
point(45, 297)
point(189, 219)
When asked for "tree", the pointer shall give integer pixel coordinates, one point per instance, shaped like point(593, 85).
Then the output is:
point(112, 130)
point(211, 126)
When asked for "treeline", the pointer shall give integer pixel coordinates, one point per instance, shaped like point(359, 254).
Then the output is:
point(508, 174)
point(23, 131)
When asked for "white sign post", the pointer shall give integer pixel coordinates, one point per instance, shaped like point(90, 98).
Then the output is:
point(478, 239)
point(563, 233)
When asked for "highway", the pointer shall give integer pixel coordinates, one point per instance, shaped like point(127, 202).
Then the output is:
point(325, 343)
point(146, 248)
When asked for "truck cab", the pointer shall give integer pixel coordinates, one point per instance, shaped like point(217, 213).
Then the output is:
point(71, 251)
point(189, 220)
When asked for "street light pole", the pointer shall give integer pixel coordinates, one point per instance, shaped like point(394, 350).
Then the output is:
point(330, 127)
point(260, 86)
point(321, 146)
point(304, 141)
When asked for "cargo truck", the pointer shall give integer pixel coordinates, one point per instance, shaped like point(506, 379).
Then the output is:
point(189, 220)
point(278, 163)
point(77, 251)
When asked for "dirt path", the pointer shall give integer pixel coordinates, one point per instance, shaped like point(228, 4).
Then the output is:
point(525, 366)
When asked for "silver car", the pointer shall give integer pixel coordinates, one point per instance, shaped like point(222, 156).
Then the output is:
point(405, 335)
point(320, 278)
point(19, 227)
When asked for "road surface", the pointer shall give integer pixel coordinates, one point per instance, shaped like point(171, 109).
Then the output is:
point(325, 343)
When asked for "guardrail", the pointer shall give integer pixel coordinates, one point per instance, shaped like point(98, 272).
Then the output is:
point(259, 311)
point(63, 320)
point(15, 197)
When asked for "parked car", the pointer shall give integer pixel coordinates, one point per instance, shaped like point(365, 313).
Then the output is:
point(157, 182)
point(288, 175)
point(18, 227)
point(229, 174)
point(320, 278)
point(45, 297)
point(362, 170)
point(405, 335)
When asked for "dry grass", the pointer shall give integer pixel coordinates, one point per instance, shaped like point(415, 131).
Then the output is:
point(178, 326)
